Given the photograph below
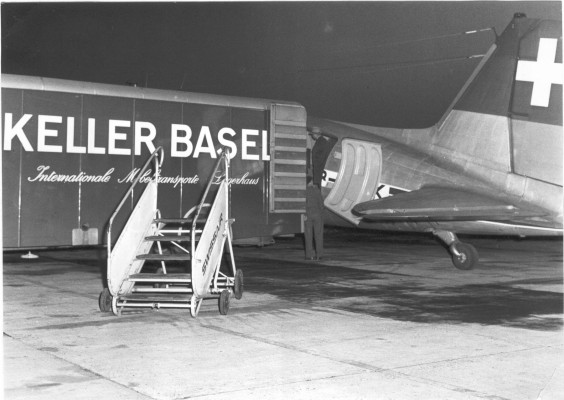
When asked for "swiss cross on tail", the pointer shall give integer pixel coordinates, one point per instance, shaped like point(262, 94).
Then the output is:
point(544, 72)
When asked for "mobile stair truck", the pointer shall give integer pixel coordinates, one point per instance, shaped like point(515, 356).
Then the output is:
point(199, 237)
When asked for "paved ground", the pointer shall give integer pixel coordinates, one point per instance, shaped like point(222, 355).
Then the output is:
point(382, 317)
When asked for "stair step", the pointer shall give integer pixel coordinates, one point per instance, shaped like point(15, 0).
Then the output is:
point(174, 220)
point(171, 278)
point(169, 238)
point(178, 220)
point(164, 257)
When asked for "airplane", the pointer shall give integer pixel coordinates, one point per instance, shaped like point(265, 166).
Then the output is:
point(491, 165)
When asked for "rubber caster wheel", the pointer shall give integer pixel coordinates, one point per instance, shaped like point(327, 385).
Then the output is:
point(115, 309)
point(467, 258)
point(105, 300)
point(239, 284)
point(224, 302)
point(195, 304)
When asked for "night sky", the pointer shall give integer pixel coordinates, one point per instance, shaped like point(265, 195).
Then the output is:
point(395, 64)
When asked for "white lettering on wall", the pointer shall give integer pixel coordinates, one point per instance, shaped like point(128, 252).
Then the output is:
point(246, 143)
point(140, 126)
point(114, 135)
point(205, 135)
point(12, 131)
point(265, 155)
point(71, 148)
point(226, 142)
point(92, 149)
point(45, 174)
point(175, 140)
point(58, 134)
point(43, 133)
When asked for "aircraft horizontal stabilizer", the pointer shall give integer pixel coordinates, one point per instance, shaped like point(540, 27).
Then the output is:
point(433, 203)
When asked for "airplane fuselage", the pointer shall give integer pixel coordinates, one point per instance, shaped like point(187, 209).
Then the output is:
point(412, 160)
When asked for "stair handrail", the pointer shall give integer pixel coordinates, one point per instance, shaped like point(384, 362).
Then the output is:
point(157, 156)
point(224, 156)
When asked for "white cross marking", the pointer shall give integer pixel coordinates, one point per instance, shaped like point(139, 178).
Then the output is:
point(543, 72)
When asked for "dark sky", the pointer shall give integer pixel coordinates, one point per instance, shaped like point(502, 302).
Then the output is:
point(378, 63)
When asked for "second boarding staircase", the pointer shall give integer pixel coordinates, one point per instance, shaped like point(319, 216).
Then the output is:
point(194, 243)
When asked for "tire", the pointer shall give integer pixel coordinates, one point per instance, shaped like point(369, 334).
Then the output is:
point(224, 302)
point(105, 300)
point(239, 285)
point(468, 257)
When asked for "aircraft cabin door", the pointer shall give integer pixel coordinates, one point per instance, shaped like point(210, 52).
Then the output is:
point(358, 178)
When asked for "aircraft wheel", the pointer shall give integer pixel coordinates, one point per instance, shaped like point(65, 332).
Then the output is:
point(467, 258)
point(224, 302)
point(105, 300)
point(238, 287)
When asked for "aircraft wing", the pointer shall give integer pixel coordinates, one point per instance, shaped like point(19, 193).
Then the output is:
point(434, 203)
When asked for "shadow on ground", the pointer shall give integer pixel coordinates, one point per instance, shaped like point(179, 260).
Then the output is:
point(374, 293)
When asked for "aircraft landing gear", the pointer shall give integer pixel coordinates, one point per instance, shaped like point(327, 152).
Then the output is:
point(464, 255)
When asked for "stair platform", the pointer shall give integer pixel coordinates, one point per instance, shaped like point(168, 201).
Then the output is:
point(169, 238)
point(158, 298)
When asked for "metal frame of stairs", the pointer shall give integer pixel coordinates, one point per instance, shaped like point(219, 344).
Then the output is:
point(206, 228)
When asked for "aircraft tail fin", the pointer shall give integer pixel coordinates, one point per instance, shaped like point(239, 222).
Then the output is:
point(514, 93)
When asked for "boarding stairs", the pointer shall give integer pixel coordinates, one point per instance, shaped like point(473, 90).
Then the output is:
point(172, 262)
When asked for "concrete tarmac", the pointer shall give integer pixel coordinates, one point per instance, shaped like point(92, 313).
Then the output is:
point(382, 316)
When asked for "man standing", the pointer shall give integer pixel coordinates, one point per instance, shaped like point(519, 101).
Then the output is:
point(319, 153)
point(313, 222)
